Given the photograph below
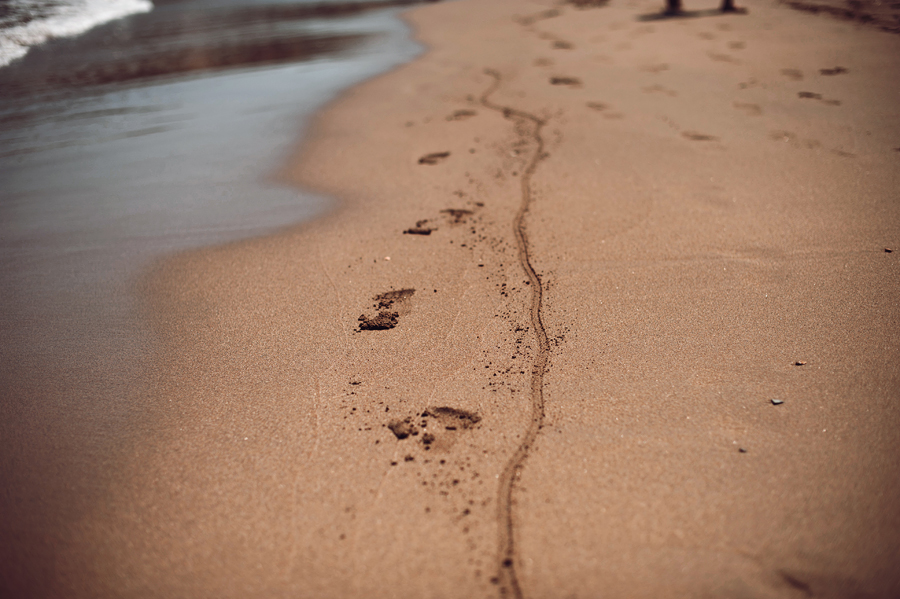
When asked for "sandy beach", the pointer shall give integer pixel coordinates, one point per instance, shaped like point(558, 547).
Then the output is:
point(608, 308)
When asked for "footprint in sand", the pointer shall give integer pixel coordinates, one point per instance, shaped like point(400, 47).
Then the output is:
point(737, 45)
point(834, 71)
point(782, 136)
point(568, 81)
point(815, 96)
point(439, 426)
point(723, 58)
point(461, 115)
point(660, 89)
point(601, 107)
point(543, 62)
point(655, 68)
point(434, 158)
point(694, 136)
point(421, 228)
point(794, 141)
point(457, 215)
point(389, 306)
point(793, 74)
point(750, 109)
point(562, 45)
point(531, 20)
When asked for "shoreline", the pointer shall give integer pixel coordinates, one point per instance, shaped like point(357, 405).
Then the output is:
point(86, 210)
point(728, 208)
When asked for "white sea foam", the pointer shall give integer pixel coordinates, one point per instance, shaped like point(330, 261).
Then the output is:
point(64, 19)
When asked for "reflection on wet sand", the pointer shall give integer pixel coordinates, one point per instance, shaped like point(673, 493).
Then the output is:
point(182, 37)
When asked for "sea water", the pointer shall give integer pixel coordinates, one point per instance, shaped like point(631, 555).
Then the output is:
point(122, 143)
point(27, 23)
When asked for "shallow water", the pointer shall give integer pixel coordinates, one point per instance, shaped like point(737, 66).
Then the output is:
point(101, 175)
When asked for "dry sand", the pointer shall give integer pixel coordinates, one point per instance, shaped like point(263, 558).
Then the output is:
point(639, 234)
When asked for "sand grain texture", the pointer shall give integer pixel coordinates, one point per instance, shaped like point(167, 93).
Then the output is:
point(689, 248)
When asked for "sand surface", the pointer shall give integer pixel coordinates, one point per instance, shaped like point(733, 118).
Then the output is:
point(639, 234)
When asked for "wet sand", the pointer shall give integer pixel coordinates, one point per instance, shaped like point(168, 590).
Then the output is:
point(607, 308)
point(99, 181)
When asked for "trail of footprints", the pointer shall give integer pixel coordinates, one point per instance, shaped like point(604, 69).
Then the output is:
point(748, 108)
point(434, 446)
point(435, 430)
point(426, 439)
point(437, 446)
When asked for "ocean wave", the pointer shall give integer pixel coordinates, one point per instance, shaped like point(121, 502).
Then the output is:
point(29, 22)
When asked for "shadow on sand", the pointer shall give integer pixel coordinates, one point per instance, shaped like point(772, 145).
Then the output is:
point(673, 10)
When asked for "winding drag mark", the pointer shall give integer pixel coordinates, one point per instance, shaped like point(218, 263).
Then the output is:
point(507, 577)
